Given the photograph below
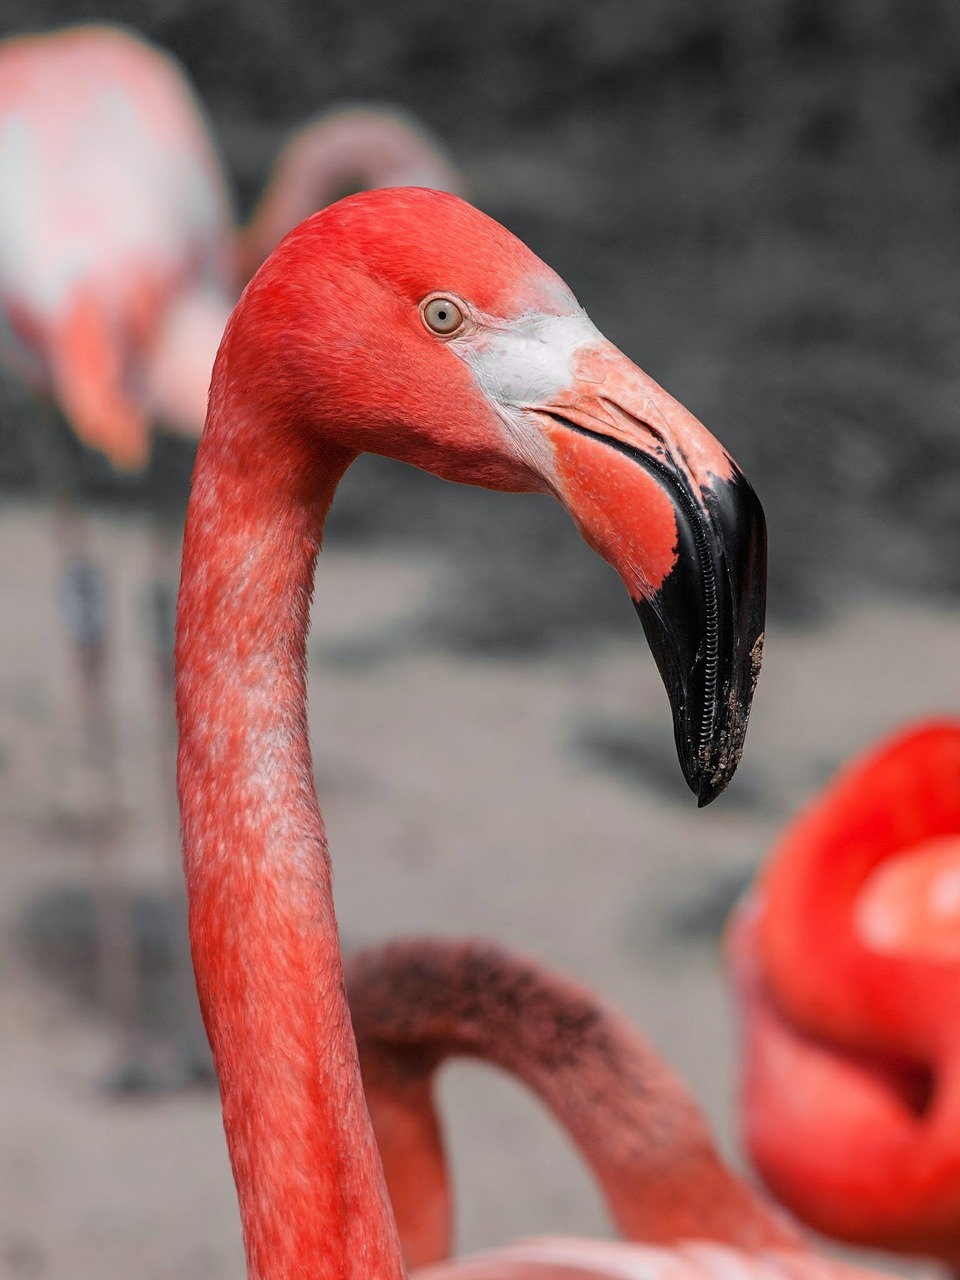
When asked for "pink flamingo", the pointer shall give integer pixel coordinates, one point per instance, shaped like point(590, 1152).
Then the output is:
point(400, 322)
point(417, 1003)
point(115, 235)
point(115, 283)
point(846, 958)
point(118, 257)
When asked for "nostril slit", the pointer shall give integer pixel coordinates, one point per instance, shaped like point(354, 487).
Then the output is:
point(617, 410)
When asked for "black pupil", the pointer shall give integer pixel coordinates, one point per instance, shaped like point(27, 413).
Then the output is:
point(442, 315)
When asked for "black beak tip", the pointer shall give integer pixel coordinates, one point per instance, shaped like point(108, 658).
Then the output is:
point(707, 780)
point(707, 789)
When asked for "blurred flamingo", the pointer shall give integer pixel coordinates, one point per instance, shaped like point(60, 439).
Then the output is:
point(115, 282)
point(846, 958)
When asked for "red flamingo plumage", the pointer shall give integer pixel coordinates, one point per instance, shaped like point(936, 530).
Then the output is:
point(845, 956)
point(402, 322)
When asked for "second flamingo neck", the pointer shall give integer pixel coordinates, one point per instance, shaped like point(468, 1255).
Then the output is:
point(420, 1002)
point(263, 931)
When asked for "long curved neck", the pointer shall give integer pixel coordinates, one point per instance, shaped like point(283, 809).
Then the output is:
point(859, 1146)
point(263, 932)
point(417, 1003)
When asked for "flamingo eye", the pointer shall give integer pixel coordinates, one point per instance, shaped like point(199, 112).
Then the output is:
point(442, 315)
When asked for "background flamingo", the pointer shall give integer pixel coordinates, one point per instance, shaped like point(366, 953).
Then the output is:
point(117, 254)
point(845, 957)
point(115, 280)
point(445, 307)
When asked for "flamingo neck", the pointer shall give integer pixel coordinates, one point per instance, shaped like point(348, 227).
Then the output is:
point(262, 926)
point(417, 1003)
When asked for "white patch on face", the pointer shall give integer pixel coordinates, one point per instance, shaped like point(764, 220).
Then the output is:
point(523, 365)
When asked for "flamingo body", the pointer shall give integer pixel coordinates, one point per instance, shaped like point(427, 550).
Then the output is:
point(115, 233)
point(846, 961)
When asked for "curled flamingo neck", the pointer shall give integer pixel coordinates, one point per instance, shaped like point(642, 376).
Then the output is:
point(852, 1002)
point(262, 926)
point(823, 968)
point(420, 1002)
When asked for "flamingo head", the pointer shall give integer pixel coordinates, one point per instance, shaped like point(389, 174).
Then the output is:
point(404, 322)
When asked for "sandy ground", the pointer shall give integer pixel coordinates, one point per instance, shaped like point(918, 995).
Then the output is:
point(456, 803)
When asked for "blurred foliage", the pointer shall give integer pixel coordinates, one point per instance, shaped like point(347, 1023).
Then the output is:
point(759, 200)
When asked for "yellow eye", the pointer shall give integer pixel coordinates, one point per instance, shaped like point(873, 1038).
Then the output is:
point(442, 315)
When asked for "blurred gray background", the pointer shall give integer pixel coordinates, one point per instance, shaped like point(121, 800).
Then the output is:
point(759, 201)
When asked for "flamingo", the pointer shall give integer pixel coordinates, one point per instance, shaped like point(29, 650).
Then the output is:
point(401, 322)
point(846, 957)
point(115, 234)
point(118, 258)
point(418, 1002)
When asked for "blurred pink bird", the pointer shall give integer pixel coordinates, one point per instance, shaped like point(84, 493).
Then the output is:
point(119, 261)
point(116, 278)
point(116, 273)
point(417, 1003)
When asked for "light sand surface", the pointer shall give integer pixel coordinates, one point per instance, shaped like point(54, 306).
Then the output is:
point(456, 803)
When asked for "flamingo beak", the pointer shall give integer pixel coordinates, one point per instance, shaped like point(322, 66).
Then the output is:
point(660, 499)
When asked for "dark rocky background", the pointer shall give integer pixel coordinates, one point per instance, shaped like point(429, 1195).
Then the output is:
point(759, 200)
